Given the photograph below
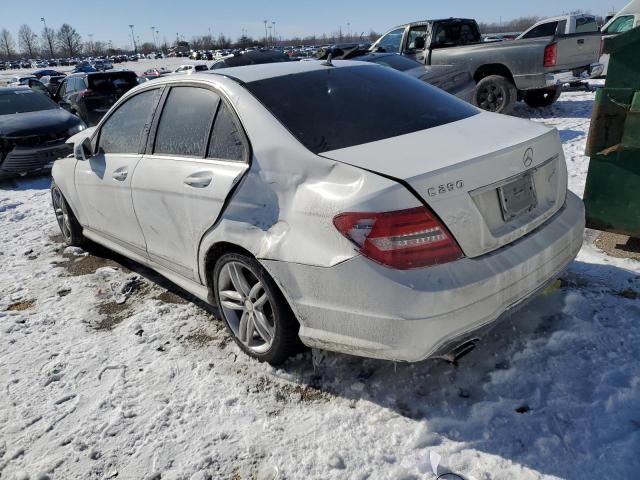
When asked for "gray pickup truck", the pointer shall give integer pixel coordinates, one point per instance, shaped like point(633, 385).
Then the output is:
point(532, 70)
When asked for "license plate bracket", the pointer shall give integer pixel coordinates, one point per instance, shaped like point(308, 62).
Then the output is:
point(517, 197)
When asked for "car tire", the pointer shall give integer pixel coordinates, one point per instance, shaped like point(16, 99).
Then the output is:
point(497, 94)
point(69, 226)
point(246, 296)
point(543, 97)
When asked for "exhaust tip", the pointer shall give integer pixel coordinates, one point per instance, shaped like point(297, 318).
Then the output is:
point(459, 351)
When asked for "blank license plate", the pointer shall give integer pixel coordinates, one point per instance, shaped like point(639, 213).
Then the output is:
point(517, 197)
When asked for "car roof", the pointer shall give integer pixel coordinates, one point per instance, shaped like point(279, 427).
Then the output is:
point(263, 71)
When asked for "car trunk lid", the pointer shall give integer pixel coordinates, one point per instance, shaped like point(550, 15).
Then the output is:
point(490, 178)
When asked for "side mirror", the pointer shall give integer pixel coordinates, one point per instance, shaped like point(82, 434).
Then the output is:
point(83, 151)
point(420, 43)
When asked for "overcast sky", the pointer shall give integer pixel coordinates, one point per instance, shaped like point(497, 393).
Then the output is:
point(109, 19)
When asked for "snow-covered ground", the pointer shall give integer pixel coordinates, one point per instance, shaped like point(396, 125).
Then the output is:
point(92, 388)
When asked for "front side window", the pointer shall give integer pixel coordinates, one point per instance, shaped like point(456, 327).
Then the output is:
point(414, 34)
point(226, 139)
point(186, 122)
point(621, 24)
point(355, 105)
point(391, 42)
point(123, 131)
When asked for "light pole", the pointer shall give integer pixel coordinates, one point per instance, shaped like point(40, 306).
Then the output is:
point(91, 43)
point(349, 30)
point(270, 36)
point(275, 37)
point(133, 39)
point(153, 36)
point(48, 35)
point(266, 35)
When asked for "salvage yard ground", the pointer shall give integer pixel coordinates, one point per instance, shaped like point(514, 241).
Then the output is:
point(109, 371)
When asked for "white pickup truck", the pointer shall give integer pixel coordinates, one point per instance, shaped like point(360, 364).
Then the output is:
point(562, 25)
point(623, 21)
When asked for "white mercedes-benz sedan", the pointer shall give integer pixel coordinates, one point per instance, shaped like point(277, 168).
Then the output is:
point(341, 206)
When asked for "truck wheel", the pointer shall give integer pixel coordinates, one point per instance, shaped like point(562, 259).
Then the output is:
point(544, 97)
point(496, 94)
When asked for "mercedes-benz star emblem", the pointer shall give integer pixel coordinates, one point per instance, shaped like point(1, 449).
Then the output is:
point(528, 157)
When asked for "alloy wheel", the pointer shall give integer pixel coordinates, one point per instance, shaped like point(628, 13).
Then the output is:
point(246, 306)
point(491, 98)
point(62, 213)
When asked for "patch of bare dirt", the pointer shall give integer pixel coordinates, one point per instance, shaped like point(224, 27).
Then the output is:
point(78, 265)
point(170, 297)
point(286, 392)
point(200, 338)
point(21, 306)
point(112, 314)
point(619, 246)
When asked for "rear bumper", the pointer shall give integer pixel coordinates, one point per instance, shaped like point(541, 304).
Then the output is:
point(592, 71)
point(362, 308)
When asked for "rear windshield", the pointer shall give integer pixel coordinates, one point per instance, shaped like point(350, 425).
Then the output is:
point(112, 83)
point(22, 101)
point(341, 107)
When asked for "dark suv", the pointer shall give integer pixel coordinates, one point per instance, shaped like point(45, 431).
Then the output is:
point(90, 95)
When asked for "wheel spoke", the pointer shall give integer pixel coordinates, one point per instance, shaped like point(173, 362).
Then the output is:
point(262, 326)
point(245, 328)
point(259, 303)
point(253, 293)
point(231, 299)
point(238, 279)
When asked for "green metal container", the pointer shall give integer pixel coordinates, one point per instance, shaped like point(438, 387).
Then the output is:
point(612, 195)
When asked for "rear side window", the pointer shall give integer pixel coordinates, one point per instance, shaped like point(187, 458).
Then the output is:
point(186, 122)
point(123, 131)
point(226, 138)
point(544, 30)
point(341, 107)
point(586, 25)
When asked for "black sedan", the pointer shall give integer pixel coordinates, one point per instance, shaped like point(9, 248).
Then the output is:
point(33, 131)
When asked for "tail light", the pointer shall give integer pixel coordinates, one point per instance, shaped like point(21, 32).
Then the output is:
point(601, 46)
point(551, 55)
point(86, 93)
point(403, 239)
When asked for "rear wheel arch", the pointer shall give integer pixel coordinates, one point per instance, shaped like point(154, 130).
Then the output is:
point(493, 69)
point(215, 252)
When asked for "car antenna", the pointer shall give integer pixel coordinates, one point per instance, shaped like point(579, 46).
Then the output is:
point(328, 62)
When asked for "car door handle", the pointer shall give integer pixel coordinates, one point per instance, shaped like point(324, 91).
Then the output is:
point(581, 41)
point(120, 174)
point(199, 180)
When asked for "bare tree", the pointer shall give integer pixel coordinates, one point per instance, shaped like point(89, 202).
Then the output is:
point(7, 44)
point(27, 40)
point(48, 41)
point(69, 40)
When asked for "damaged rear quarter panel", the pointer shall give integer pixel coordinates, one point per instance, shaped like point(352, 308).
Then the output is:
point(283, 208)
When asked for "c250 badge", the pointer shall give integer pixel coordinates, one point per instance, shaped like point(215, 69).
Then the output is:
point(445, 188)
